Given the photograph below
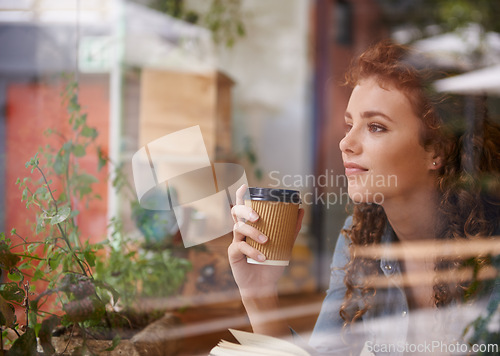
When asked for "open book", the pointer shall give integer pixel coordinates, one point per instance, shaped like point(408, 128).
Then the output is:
point(263, 345)
point(256, 344)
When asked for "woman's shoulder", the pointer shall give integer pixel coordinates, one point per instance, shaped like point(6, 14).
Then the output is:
point(340, 252)
point(347, 223)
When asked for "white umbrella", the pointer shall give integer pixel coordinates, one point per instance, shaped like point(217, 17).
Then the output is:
point(481, 81)
point(467, 48)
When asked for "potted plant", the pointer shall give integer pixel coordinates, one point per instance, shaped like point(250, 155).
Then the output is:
point(56, 278)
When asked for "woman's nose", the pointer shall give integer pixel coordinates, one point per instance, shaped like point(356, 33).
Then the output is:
point(350, 142)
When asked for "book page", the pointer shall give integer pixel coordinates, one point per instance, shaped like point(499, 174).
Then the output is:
point(226, 348)
point(268, 343)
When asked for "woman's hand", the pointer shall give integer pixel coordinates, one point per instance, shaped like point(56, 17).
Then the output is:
point(254, 281)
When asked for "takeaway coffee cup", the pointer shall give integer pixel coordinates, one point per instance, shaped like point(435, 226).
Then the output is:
point(278, 211)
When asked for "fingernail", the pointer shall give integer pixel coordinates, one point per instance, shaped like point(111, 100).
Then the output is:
point(261, 258)
point(253, 216)
point(262, 238)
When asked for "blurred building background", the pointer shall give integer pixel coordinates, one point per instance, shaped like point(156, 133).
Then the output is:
point(261, 78)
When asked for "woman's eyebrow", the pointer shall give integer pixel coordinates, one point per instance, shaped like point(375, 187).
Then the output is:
point(373, 113)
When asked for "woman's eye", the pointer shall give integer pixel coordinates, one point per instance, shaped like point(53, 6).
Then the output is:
point(376, 128)
point(348, 127)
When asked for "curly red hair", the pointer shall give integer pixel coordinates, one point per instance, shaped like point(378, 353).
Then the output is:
point(470, 199)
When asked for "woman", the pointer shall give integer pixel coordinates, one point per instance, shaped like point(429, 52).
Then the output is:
point(395, 147)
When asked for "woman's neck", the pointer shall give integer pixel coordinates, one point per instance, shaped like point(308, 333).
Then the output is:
point(414, 218)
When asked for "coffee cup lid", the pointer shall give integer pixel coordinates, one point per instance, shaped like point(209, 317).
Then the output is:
point(274, 194)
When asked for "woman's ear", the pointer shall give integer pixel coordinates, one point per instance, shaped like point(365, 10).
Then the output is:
point(435, 165)
point(436, 162)
point(434, 155)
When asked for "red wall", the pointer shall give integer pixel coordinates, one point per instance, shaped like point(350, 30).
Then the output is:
point(31, 109)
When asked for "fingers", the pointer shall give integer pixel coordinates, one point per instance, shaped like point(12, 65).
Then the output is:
point(243, 213)
point(240, 193)
point(240, 212)
point(238, 250)
point(242, 230)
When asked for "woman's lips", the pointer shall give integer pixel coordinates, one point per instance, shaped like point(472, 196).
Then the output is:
point(353, 168)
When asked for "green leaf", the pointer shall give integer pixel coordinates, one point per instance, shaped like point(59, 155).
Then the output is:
point(24, 195)
point(40, 226)
point(15, 277)
point(62, 197)
point(55, 261)
point(105, 297)
point(66, 147)
point(90, 257)
point(84, 191)
point(89, 132)
point(240, 29)
point(42, 192)
point(37, 275)
point(109, 288)
point(114, 344)
point(258, 173)
point(25, 265)
point(102, 159)
point(73, 105)
point(73, 238)
point(25, 345)
point(62, 214)
point(61, 162)
point(252, 158)
point(33, 161)
point(79, 150)
point(83, 118)
point(12, 292)
point(85, 178)
point(32, 247)
point(37, 327)
point(84, 183)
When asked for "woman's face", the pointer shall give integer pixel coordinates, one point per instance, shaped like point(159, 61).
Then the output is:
point(383, 157)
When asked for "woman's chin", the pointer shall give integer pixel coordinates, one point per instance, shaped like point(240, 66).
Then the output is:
point(359, 196)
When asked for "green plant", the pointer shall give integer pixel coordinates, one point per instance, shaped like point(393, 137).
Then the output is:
point(138, 272)
point(54, 258)
point(482, 330)
point(222, 17)
point(250, 155)
point(55, 277)
point(447, 14)
point(142, 268)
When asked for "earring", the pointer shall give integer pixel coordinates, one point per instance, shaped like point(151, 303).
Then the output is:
point(434, 163)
